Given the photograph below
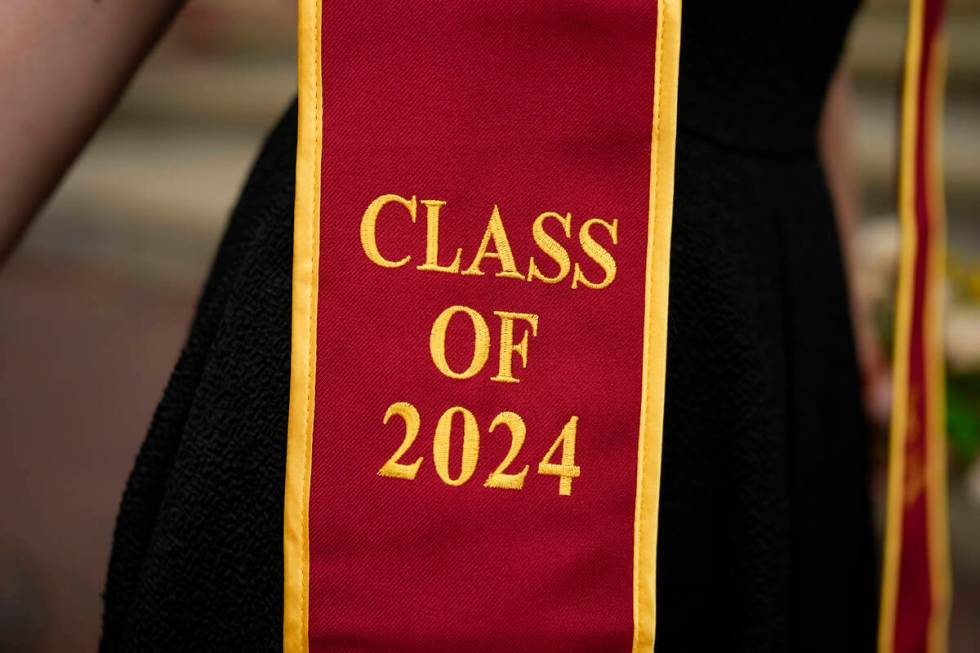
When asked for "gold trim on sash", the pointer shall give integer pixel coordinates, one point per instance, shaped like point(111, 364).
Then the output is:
point(663, 136)
point(306, 251)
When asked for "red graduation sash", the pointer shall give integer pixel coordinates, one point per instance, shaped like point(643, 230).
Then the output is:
point(916, 587)
point(482, 231)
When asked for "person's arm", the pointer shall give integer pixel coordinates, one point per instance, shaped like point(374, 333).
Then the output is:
point(835, 142)
point(63, 64)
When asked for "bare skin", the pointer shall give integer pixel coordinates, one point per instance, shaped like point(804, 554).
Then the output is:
point(63, 65)
point(835, 142)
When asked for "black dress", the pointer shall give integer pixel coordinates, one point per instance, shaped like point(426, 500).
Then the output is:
point(765, 531)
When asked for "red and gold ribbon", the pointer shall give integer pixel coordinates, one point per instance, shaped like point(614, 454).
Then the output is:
point(916, 585)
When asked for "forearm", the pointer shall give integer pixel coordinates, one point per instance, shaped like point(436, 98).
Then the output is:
point(63, 64)
point(837, 158)
point(836, 135)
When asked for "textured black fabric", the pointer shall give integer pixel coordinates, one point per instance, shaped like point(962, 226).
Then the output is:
point(196, 562)
point(765, 534)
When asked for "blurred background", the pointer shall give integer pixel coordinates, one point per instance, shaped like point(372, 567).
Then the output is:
point(95, 305)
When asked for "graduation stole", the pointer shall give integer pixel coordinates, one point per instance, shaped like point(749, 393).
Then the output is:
point(482, 231)
point(915, 597)
point(481, 258)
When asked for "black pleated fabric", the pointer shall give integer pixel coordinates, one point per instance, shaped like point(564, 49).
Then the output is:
point(765, 530)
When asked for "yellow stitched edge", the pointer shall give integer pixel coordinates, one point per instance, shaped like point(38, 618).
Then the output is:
point(896, 456)
point(661, 203)
point(936, 494)
point(306, 228)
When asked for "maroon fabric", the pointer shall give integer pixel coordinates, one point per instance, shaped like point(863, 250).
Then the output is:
point(915, 602)
point(530, 107)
